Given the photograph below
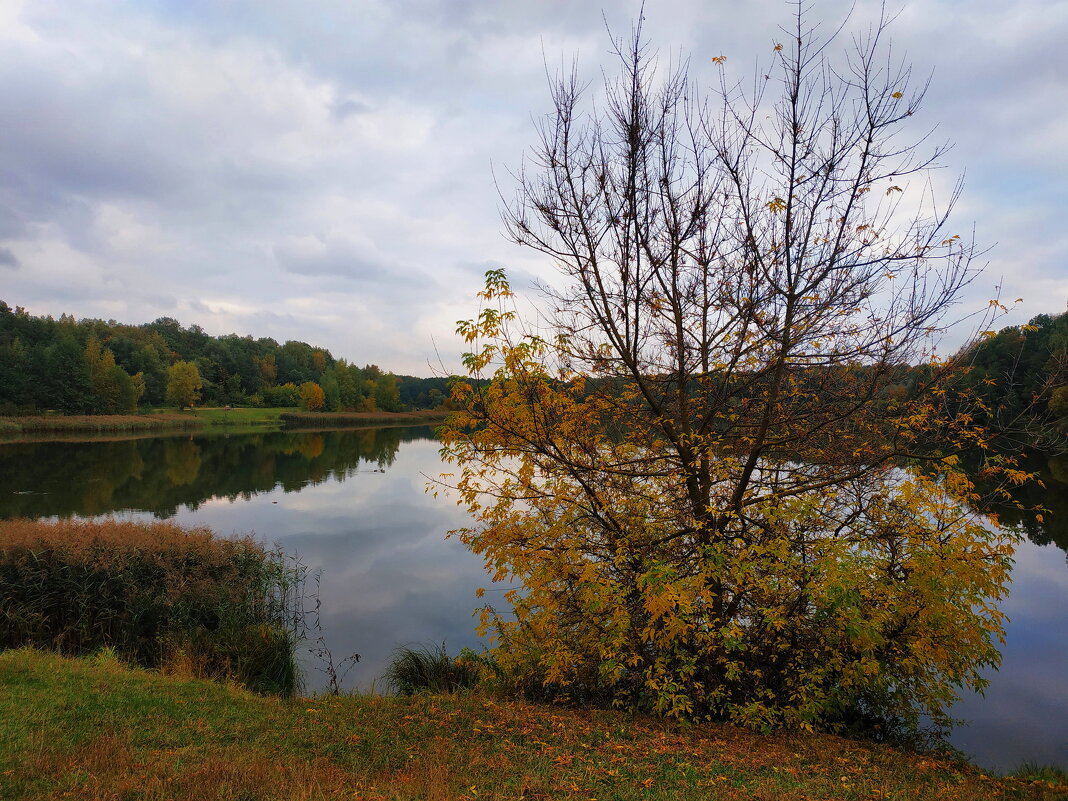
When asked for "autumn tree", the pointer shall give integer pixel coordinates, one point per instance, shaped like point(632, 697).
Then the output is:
point(694, 477)
point(267, 371)
point(183, 384)
point(312, 397)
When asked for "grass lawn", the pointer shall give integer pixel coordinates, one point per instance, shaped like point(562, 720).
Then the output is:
point(93, 729)
point(239, 416)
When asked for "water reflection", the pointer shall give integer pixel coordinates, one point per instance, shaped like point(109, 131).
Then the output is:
point(162, 474)
point(389, 575)
point(352, 504)
point(1024, 713)
point(1044, 516)
point(349, 503)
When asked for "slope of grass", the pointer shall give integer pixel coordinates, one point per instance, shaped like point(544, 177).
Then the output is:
point(242, 416)
point(94, 729)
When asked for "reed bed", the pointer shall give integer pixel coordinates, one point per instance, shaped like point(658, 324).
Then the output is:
point(98, 422)
point(329, 420)
point(157, 594)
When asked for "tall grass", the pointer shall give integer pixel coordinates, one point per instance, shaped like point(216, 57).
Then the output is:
point(429, 668)
point(355, 419)
point(1037, 771)
point(99, 422)
point(157, 594)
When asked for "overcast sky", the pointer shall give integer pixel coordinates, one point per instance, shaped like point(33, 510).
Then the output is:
point(323, 171)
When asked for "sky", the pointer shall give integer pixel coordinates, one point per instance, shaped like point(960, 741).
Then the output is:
point(331, 171)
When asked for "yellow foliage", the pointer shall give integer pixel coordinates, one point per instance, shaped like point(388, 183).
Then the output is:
point(812, 598)
point(709, 476)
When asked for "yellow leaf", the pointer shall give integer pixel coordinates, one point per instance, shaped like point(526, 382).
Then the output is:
point(896, 95)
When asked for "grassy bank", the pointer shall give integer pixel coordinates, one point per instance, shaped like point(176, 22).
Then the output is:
point(237, 417)
point(91, 423)
point(328, 420)
point(157, 594)
point(241, 416)
point(93, 729)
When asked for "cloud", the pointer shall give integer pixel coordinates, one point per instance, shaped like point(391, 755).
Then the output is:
point(210, 160)
point(348, 107)
point(9, 259)
point(316, 256)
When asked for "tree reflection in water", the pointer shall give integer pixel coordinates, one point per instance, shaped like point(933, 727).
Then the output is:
point(159, 474)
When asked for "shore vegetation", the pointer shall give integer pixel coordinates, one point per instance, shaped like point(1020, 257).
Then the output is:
point(97, 423)
point(157, 595)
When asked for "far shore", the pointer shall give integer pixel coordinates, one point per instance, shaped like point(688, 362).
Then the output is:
point(89, 423)
point(203, 417)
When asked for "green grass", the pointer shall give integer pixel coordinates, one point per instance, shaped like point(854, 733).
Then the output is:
point(1036, 772)
point(242, 416)
point(94, 729)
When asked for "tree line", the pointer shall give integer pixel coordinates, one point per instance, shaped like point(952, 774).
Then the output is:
point(94, 366)
point(1021, 372)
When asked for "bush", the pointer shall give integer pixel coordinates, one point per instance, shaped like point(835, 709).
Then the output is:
point(429, 668)
point(154, 594)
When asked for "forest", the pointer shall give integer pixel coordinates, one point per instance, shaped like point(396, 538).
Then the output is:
point(93, 366)
point(1022, 373)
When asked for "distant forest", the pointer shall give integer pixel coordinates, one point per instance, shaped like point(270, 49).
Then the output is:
point(1021, 372)
point(104, 367)
point(97, 367)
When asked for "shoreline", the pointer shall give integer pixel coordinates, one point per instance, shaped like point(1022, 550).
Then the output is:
point(14, 427)
point(103, 423)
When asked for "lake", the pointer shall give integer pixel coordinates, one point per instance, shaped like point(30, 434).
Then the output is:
point(352, 506)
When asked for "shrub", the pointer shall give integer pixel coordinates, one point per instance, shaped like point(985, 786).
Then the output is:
point(153, 593)
point(429, 668)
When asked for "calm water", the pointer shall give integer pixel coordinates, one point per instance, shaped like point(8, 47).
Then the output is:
point(352, 504)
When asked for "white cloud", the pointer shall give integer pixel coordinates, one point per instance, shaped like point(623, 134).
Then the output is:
point(281, 170)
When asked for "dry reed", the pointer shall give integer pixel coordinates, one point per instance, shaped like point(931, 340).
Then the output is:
point(155, 593)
